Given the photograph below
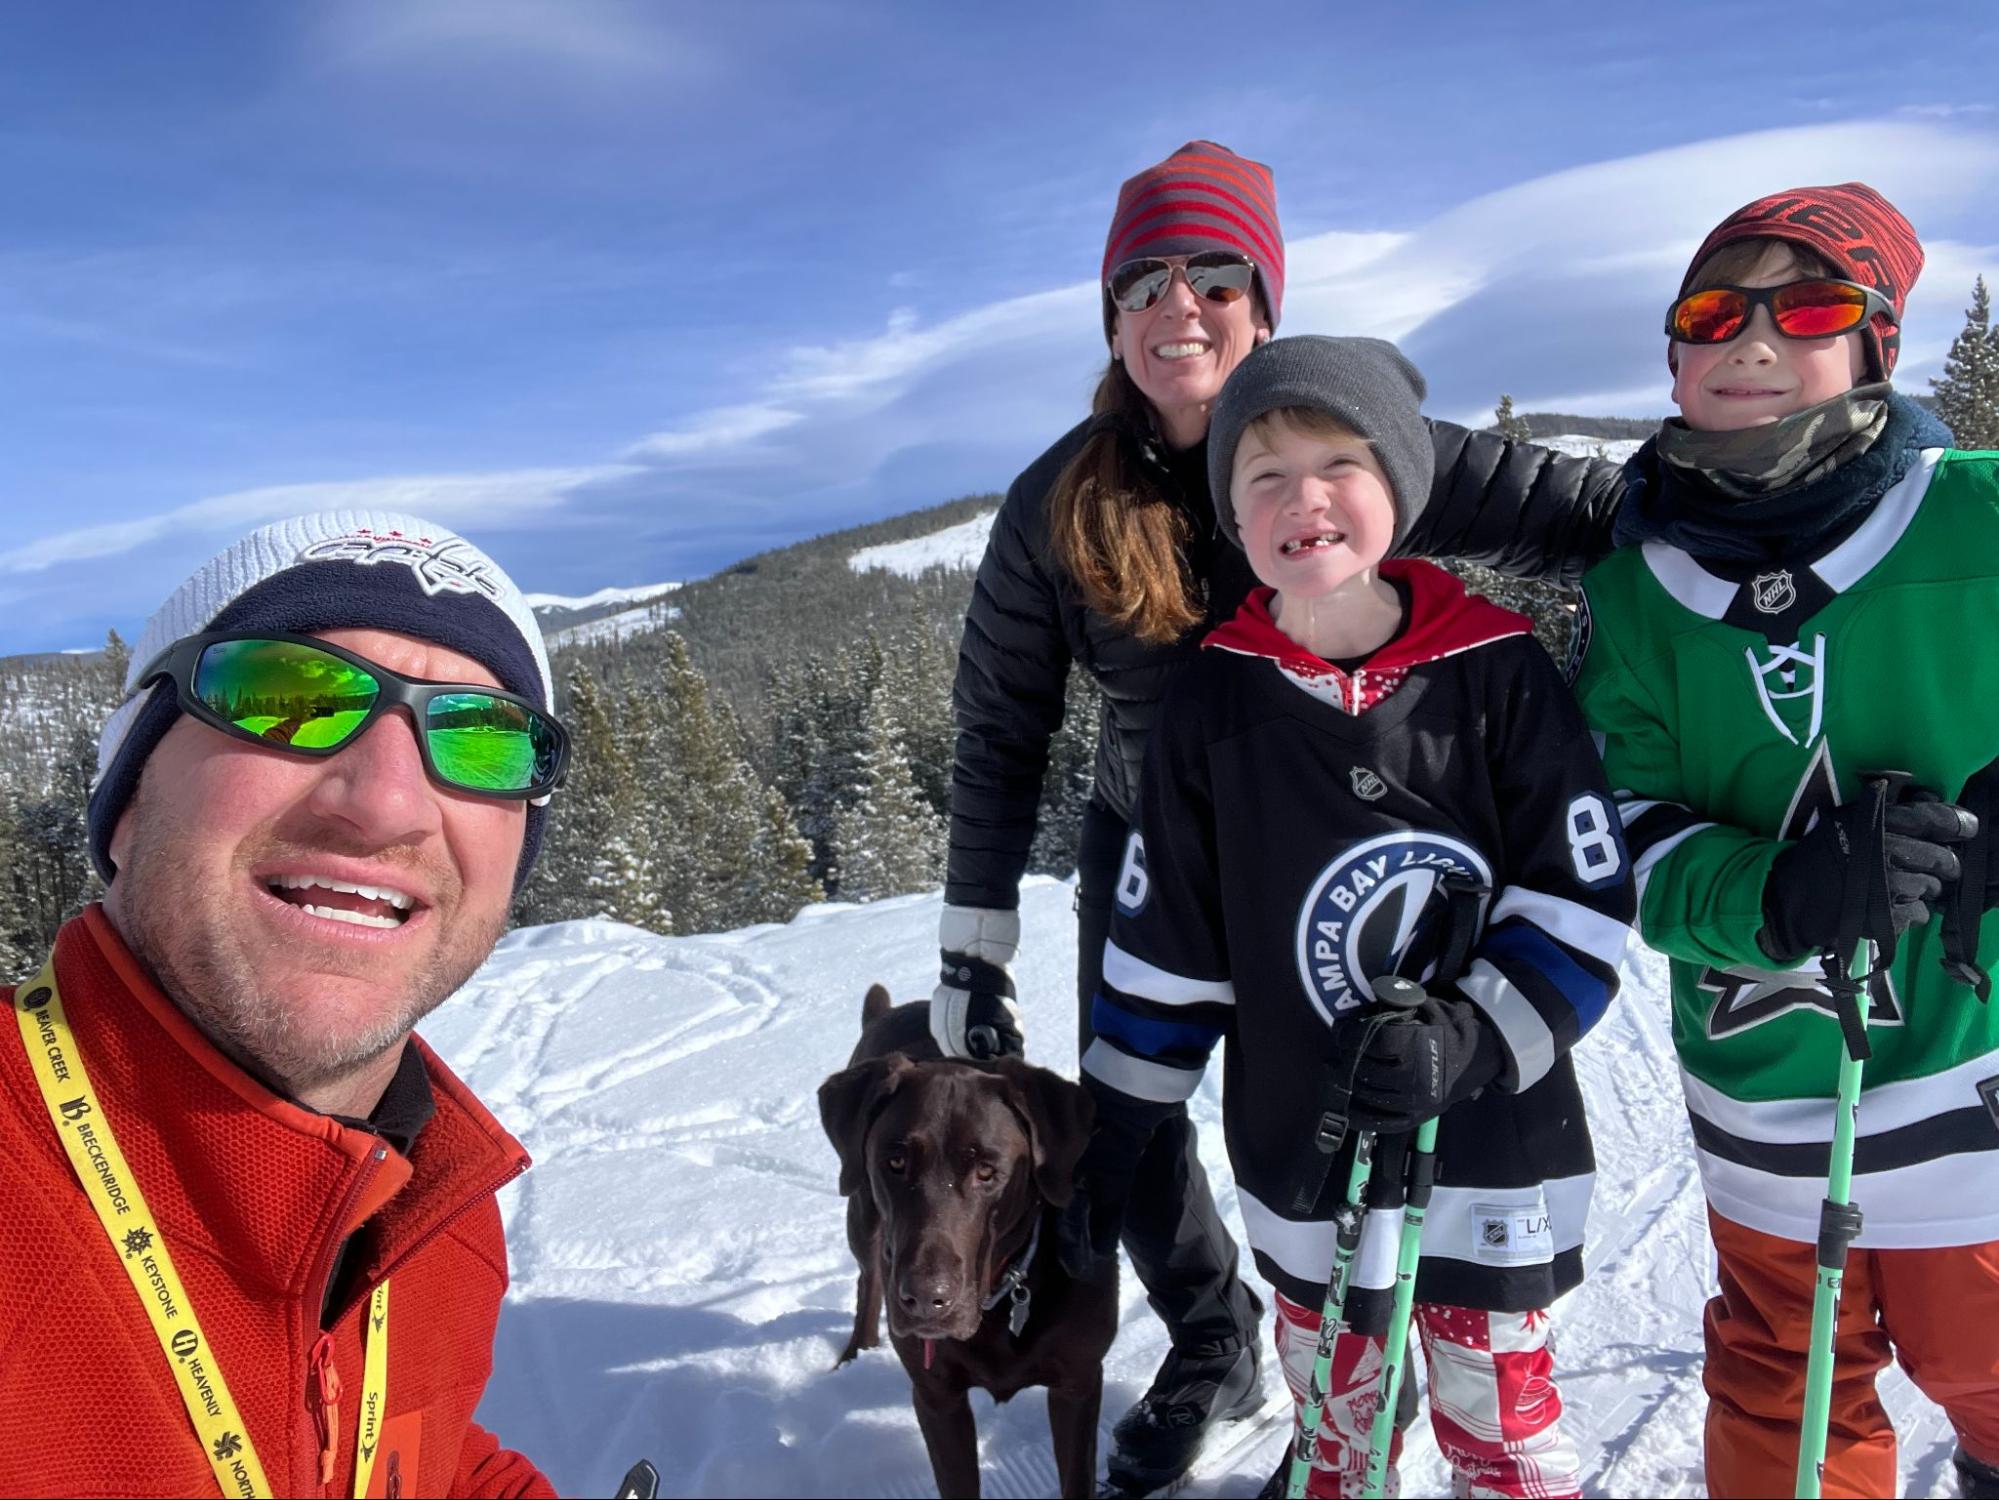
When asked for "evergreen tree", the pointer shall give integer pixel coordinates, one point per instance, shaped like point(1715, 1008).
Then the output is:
point(1506, 424)
point(117, 659)
point(721, 854)
point(17, 955)
point(1968, 393)
point(1065, 790)
point(890, 840)
point(594, 861)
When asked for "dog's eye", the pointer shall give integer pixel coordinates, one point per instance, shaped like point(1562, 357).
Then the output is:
point(896, 1160)
point(985, 1171)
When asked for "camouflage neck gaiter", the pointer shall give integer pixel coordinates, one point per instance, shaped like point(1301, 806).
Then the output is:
point(1793, 450)
point(1787, 491)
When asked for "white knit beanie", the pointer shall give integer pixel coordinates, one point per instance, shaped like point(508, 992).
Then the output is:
point(372, 569)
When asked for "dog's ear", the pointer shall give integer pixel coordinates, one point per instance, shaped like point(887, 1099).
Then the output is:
point(1058, 1115)
point(848, 1104)
point(875, 1004)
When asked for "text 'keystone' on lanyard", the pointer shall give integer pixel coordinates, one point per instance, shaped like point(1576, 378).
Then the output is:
point(136, 1239)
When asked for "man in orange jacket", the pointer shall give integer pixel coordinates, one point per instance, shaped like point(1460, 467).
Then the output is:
point(249, 1242)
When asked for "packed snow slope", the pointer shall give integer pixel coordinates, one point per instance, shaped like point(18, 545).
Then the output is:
point(681, 1280)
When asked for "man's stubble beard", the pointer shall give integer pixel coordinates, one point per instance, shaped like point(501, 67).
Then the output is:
point(188, 951)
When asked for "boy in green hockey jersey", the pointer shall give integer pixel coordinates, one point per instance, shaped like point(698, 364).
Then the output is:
point(1805, 589)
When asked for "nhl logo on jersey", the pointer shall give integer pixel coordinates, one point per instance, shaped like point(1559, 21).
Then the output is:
point(1363, 911)
point(1773, 593)
point(1367, 786)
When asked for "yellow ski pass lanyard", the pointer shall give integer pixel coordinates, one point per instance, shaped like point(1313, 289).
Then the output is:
point(135, 1236)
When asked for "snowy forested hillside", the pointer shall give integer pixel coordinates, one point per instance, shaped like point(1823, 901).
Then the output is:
point(681, 1277)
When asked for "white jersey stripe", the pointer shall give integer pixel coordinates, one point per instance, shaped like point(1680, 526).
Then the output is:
point(1134, 976)
point(1536, 1224)
point(1883, 1107)
point(1953, 1200)
point(1138, 1077)
point(1519, 1024)
point(1646, 863)
point(1584, 928)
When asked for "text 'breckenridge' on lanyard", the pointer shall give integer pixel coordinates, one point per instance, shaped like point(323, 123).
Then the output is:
point(76, 1112)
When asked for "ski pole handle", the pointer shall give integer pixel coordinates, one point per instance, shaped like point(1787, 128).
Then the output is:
point(1401, 996)
point(641, 1482)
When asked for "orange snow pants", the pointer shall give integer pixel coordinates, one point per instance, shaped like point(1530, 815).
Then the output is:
point(1937, 1311)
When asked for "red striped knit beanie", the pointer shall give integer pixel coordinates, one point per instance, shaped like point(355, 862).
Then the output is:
point(1858, 231)
point(1202, 197)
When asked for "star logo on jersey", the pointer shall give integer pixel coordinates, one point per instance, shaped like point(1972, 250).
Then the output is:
point(1749, 997)
point(1362, 912)
point(1773, 593)
point(137, 1242)
point(1366, 785)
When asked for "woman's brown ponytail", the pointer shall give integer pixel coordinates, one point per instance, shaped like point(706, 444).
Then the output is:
point(1115, 531)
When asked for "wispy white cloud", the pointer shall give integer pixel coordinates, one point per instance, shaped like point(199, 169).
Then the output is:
point(455, 499)
point(597, 37)
point(713, 432)
point(1550, 289)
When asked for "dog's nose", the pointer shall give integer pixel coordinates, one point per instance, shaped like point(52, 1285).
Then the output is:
point(925, 1297)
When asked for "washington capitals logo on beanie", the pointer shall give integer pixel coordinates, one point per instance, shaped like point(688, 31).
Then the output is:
point(344, 569)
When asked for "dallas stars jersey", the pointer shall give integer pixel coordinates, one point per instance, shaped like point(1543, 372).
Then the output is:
point(1732, 711)
point(1294, 822)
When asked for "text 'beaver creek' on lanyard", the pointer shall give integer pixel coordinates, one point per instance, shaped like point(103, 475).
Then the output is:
point(136, 1239)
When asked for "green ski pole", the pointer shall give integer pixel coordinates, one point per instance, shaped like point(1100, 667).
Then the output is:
point(1847, 971)
point(1839, 1225)
point(1332, 1317)
point(1406, 995)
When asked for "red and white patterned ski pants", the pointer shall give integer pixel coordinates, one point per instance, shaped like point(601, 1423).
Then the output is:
point(1493, 1401)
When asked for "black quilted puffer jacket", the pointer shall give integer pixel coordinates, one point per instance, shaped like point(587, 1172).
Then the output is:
point(1513, 506)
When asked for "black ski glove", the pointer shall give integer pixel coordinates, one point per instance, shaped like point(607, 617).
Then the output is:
point(1092, 1222)
point(1411, 1069)
point(1801, 899)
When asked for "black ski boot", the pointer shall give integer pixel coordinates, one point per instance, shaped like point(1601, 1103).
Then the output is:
point(1975, 1481)
point(1157, 1441)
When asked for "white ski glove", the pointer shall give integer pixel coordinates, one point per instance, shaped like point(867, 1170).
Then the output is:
point(972, 1010)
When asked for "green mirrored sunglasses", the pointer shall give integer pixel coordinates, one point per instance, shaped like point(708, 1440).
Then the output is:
point(309, 697)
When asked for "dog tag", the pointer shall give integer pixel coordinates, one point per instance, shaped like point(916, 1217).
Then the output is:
point(1016, 1319)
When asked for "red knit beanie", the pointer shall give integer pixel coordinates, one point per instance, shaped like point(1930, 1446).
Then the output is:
point(1858, 231)
point(1202, 197)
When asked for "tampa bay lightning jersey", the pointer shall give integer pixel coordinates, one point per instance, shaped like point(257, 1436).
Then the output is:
point(1295, 824)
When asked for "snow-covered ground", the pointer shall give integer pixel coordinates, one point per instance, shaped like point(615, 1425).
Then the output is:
point(581, 602)
point(681, 1276)
point(1617, 450)
point(653, 616)
point(957, 547)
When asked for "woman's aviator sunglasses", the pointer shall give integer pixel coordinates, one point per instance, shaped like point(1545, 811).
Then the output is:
point(1816, 309)
point(306, 696)
point(1218, 275)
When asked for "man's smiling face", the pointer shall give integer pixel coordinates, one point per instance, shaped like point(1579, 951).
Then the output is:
point(308, 912)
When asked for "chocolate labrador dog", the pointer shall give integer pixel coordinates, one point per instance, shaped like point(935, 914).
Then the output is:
point(955, 1174)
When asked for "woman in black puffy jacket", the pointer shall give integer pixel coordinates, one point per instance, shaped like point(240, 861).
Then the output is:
point(1105, 554)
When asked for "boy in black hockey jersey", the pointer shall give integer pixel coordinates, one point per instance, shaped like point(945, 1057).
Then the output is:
point(1360, 730)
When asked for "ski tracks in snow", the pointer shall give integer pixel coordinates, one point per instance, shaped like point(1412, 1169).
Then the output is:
point(682, 1281)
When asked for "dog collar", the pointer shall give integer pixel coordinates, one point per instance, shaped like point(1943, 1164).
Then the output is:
point(1013, 1284)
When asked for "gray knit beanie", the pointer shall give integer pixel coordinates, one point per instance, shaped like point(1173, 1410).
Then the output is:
point(1366, 384)
point(380, 570)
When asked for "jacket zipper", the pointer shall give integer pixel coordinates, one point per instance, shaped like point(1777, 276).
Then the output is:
point(322, 1378)
point(323, 1383)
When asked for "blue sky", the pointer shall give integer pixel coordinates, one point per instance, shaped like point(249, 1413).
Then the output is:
point(629, 290)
